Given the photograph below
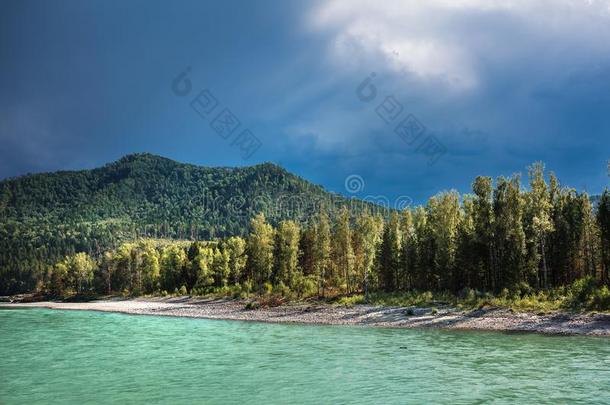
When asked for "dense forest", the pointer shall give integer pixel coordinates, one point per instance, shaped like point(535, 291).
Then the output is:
point(502, 238)
point(44, 217)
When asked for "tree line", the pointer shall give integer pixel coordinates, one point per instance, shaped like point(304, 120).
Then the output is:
point(501, 236)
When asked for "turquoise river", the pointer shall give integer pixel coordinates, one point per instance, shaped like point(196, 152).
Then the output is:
point(80, 357)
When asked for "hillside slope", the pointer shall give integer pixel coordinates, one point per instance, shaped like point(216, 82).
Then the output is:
point(46, 216)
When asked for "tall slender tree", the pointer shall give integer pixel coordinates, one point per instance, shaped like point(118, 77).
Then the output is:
point(408, 251)
point(286, 253)
point(236, 248)
point(603, 221)
point(539, 225)
point(367, 239)
point(444, 219)
point(508, 231)
point(467, 261)
point(424, 246)
point(260, 249)
point(321, 249)
point(390, 249)
point(173, 260)
point(343, 251)
point(485, 249)
point(81, 267)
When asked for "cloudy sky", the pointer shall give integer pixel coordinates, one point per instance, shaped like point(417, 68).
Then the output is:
point(490, 86)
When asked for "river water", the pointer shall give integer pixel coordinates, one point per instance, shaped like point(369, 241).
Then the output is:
point(49, 356)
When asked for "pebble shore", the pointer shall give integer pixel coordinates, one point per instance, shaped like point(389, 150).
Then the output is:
point(491, 319)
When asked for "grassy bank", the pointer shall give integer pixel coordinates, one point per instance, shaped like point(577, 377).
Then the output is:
point(586, 294)
point(583, 295)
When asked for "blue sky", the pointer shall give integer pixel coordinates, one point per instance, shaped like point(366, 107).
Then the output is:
point(498, 85)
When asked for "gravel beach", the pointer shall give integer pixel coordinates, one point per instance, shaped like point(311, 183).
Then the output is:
point(359, 315)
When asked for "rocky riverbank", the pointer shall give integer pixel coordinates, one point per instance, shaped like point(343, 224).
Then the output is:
point(492, 319)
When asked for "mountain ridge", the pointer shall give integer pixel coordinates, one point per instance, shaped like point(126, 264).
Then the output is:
point(45, 216)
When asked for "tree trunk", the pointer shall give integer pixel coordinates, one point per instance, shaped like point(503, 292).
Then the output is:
point(544, 268)
point(366, 285)
point(322, 282)
point(345, 271)
point(491, 270)
point(590, 254)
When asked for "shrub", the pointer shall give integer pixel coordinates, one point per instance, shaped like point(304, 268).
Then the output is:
point(271, 301)
point(252, 305)
point(281, 289)
point(307, 286)
point(224, 291)
point(468, 294)
point(486, 304)
point(351, 300)
point(520, 290)
point(600, 298)
point(247, 287)
point(237, 291)
point(582, 289)
point(182, 290)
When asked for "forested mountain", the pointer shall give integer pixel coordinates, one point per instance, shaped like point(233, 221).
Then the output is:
point(44, 217)
point(266, 229)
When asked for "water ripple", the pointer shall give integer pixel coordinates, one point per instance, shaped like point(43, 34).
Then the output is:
point(90, 357)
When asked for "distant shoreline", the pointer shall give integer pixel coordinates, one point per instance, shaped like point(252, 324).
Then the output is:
point(492, 319)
